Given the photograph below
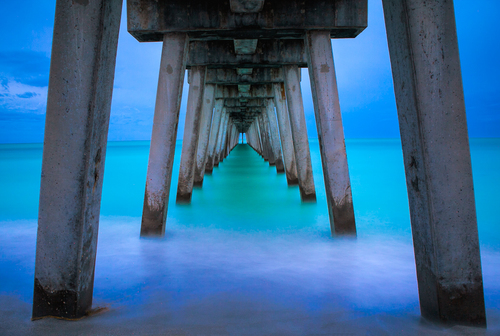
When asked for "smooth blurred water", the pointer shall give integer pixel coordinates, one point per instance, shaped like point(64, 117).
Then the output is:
point(246, 257)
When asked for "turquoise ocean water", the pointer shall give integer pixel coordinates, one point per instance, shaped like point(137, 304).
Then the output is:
point(246, 257)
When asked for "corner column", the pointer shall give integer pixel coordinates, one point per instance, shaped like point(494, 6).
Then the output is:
point(299, 133)
point(191, 134)
point(330, 132)
point(76, 129)
point(430, 101)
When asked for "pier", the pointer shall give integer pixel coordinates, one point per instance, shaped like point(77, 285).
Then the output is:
point(243, 59)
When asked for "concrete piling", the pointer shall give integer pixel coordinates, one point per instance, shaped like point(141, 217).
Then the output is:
point(74, 151)
point(264, 127)
point(166, 119)
point(219, 138)
point(223, 139)
point(256, 70)
point(270, 116)
point(262, 142)
point(205, 126)
point(330, 132)
point(191, 134)
point(433, 125)
point(299, 133)
point(214, 135)
point(285, 134)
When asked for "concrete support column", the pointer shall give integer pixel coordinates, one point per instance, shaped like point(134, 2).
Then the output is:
point(299, 133)
point(219, 138)
point(257, 136)
point(76, 129)
point(214, 135)
point(264, 129)
point(260, 129)
point(431, 109)
point(330, 132)
point(256, 132)
point(260, 138)
point(267, 135)
point(223, 138)
point(233, 135)
point(166, 119)
point(226, 140)
point(255, 140)
point(247, 136)
point(231, 138)
point(274, 135)
point(285, 133)
point(206, 123)
point(229, 134)
point(191, 134)
point(251, 139)
point(236, 136)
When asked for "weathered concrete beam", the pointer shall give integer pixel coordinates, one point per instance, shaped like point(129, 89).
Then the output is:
point(299, 133)
point(432, 120)
point(246, 6)
point(256, 92)
point(149, 19)
point(244, 110)
point(76, 129)
point(269, 53)
point(234, 102)
point(191, 135)
point(330, 133)
point(258, 76)
point(203, 141)
point(245, 46)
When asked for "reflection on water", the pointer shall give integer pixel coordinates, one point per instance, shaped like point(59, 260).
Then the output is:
point(245, 257)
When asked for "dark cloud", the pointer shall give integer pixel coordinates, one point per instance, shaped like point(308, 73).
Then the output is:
point(18, 115)
point(25, 66)
point(4, 82)
point(27, 95)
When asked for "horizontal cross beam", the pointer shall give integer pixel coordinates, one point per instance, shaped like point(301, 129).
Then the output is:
point(269, 53)
point(149, 20)
point(233, 77)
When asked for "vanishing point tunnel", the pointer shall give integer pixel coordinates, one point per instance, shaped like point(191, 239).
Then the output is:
point(244, 59)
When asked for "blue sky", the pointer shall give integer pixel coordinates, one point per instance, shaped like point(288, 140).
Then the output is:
point(362, 64)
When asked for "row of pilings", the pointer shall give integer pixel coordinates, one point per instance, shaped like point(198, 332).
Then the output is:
point(244, 58)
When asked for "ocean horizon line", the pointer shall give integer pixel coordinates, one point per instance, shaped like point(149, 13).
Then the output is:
point(180, 140)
